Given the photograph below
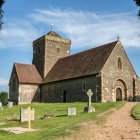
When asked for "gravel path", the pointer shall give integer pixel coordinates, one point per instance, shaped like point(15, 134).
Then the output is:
point(119, 126)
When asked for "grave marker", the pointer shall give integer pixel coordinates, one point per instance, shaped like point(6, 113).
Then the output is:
point(1, 105)
point(10, 104)
point(27, 115)
point(71, 111)
point(89, 108)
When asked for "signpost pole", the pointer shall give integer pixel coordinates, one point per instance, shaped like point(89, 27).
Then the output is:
point(29, 118)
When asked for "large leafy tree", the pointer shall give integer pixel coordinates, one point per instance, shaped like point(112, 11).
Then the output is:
point(138, 4)
point(1, 13)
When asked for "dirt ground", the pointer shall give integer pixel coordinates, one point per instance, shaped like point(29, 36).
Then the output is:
point(119, 126)
point(17, 130)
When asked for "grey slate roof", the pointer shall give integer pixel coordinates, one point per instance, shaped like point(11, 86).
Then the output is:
point(81, 64)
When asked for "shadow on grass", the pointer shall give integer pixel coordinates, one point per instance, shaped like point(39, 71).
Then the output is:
point(61, 116)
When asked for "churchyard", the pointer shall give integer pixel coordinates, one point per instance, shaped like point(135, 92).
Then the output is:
point(51, 120)
point(136, 112)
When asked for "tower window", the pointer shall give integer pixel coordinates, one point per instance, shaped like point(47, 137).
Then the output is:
point(38, 50)
point(58, 49)
point(34, 51)
point(119, 63)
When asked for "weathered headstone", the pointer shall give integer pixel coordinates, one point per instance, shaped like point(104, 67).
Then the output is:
point(71, 111)
point(27, 115)
point(90, 108)
point(10, 104)
point(1, 106)
point(24, 114)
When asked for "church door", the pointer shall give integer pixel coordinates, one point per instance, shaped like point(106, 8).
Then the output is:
point(64, 96)
point(118, 94)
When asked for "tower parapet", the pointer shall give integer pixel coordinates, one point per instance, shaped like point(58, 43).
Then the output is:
point(48, 49)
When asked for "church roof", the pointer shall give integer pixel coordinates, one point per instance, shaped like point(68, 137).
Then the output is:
point(52, 33)
point(53, 36)
point(27, 74)
point(81, 64)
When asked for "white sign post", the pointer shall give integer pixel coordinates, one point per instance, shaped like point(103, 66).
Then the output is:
point(29, 118)
point(28, 112)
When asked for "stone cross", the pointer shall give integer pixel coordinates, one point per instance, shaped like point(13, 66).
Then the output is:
point(89, 93)
point(90, 108)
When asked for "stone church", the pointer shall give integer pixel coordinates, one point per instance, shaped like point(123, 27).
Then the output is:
point(57, 76)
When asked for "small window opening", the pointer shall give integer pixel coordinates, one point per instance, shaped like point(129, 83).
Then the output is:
point(38, 49)
point(84, 86)
point(34, 51)
point(58, 49)
point(119, 63)
point(64, 96)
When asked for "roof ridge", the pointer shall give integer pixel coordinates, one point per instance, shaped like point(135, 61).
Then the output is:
point(84, 63)
point(88, 50)
point(53, 33)
point(24, 64)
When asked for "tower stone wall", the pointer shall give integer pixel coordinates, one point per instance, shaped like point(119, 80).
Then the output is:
point(47, 50)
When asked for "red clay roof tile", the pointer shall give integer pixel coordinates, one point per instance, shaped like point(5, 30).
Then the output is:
point(27, 74)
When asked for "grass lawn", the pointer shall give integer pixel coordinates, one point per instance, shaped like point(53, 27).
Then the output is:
point(136, 112)
point(51, 128)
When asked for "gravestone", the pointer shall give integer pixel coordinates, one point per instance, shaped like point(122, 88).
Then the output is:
point(1, 106)
point(10, 104)
point(71, 111)
point(90, 108)
point(24, 114)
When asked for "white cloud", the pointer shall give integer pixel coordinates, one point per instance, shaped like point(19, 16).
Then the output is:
point(85, 29)
point(4, 81)
point(19, 34)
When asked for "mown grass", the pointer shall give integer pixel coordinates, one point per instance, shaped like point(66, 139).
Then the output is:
point(136, 112)
point(49, 129)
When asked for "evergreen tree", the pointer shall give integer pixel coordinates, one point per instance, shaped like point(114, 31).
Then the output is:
point(1, 13)
point(4, 97)
point(138, 4)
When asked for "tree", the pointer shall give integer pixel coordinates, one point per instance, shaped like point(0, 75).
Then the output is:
point(1, 13)
point(4, 97)
point(138, 4)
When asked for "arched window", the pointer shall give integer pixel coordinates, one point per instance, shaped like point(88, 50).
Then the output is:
point(119, 63)
point(58, 49)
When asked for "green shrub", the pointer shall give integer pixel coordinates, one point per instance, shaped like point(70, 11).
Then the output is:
point(4, 98)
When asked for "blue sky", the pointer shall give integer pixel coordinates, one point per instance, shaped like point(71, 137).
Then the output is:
point(87, 23)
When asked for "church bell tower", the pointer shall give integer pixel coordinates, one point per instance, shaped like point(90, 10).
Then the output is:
point(47, 50)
